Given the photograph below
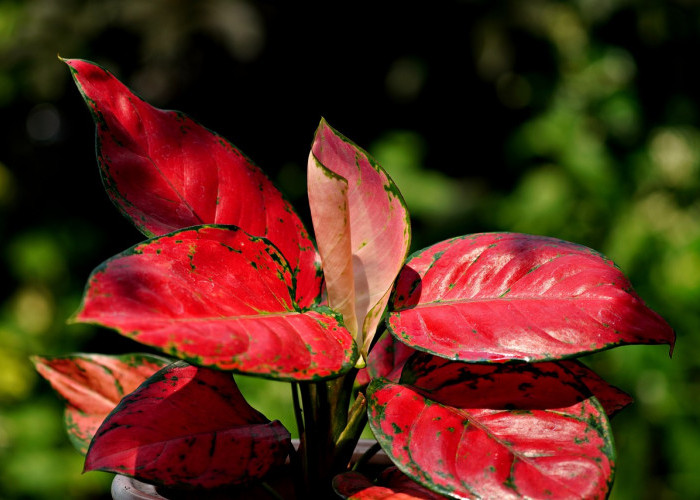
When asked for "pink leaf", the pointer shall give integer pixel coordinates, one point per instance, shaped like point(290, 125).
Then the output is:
point(166, 172)
point(498, 297)
point(188, 426)
point(219, 297)
point(496, 431)
point(362, 229)
point(92, 385)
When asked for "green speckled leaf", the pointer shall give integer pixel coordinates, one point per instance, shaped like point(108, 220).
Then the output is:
point(188, 426)
point(495, 431)
point(500, 297)
point(219, 297)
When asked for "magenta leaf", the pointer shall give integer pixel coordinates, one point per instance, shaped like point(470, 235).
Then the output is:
point(495, 431)
point(393, 485)
point(362, 229)
point(92, 385)
point(188, 426)
point(219, 297)
point(499, 297)
point(166, 172)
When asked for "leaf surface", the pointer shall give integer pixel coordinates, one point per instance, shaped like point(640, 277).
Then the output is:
point(92, 385)
point(499, 297)
point(496, 431)
point(188, 426)
point(568, 379)
point(387, 358)
point(219, 297)
point(610, 397)
point(166, 172)
point(362, 229)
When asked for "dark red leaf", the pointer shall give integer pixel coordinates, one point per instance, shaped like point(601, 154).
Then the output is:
point(219, 297)
point(188, 426)
point(496, 431)
point(611, 398)
point(166, 172)
point(558, 382)
point(92, 385)
point(393, 485)
point(499, 297)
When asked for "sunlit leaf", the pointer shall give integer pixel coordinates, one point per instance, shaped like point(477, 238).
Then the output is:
point(188, 426)
point(92, 385)
point(219, 297)
point(495, 431)
point(498, 297)
point(362, 229)
point(166, 172)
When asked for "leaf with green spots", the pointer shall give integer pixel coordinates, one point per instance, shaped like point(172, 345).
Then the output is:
point(500, 297)
point(219, 297)
point(495, 431)
point(92, 385)
point(188, 426)
point(362, 229)
point(165, 172)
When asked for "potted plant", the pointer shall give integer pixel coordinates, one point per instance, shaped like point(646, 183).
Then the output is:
point(460, 357)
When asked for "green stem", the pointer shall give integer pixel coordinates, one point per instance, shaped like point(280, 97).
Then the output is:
point(307, 440)
point(297, 408)
point(340, 395)
point(367, 456)
point(271, 491)
point(347, 440)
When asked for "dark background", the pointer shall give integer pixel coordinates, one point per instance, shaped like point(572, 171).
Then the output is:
point(575, 119)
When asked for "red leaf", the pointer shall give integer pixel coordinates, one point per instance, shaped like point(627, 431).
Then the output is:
point(498, 297)
point(92, 385)
point(396, 486)
point(362, 229)
point(496, 431)
point(166, 172)
point(611, 398)
point(387, 358)
point(219, 297)
point(567, 379)
point(188, 426)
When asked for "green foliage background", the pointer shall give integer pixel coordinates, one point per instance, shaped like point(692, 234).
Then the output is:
point(576, 119)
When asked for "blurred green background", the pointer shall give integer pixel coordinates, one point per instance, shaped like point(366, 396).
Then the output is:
point(575, 119)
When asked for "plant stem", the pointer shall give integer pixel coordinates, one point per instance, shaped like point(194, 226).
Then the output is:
point(340, 390)
point(366, 456)
point(271, 491)
point(307, 440)
point(347, 440)
point(297, 408)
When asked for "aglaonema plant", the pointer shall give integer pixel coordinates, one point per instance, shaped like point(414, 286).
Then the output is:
point(460, 357)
